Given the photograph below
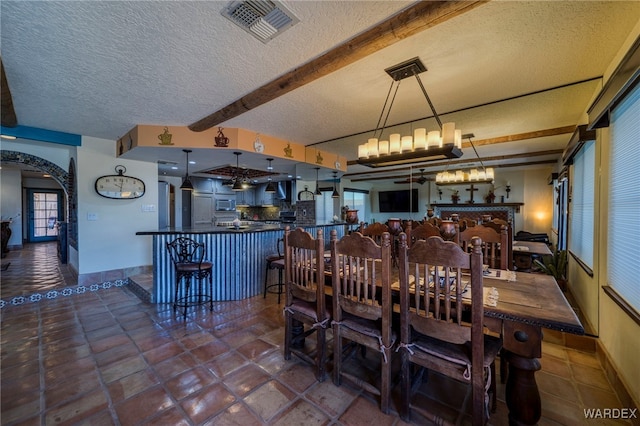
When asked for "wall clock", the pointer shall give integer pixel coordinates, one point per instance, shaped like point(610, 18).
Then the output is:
point(306, 195)
point(120, 186)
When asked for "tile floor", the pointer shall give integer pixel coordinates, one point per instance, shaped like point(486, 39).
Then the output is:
point(106, 358)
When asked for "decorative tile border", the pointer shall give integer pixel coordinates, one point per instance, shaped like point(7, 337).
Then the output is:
point(62, 292)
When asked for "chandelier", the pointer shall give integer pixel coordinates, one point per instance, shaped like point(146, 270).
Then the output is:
point(481, 175)
point(422, 145)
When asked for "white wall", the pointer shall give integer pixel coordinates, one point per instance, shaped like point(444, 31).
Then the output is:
point(11, 202)
point(110, 242)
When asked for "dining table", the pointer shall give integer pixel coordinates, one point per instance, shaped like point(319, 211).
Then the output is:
point(524, 252)
point(527, 303)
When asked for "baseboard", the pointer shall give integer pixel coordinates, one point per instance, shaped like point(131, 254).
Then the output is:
point(616, 381)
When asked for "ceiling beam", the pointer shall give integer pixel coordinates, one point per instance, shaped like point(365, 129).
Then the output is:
point(9, 118)
point(523, 136)
point(417, 18)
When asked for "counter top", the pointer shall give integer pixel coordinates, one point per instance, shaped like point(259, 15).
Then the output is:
point(257, 227)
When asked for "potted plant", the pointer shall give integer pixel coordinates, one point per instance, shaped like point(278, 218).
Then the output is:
point(556, 266)
point(490, 197)
point(455, 196)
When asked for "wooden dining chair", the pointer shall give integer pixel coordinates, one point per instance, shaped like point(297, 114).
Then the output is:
point(362, 306)
point(422, 232)
point(305, 298)
point(375, 231)
point(497, 224)
point(436, 331)
point(495, 246)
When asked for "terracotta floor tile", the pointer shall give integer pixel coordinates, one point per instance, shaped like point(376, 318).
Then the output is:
point(105, 357)
point(122, 368)
point(236, 415)
point(269, 399)
point(226, 363)
point(246, 379)
point(166, 351)
point(189, 382)
point(72, 387)
point(60, 372)
point(590, 376)
point(301, 413)
point(109, 342)
point(557, 386)
point(365, 412)
point(73, 411)
point(207, 403)
point(116, 353)
point(593, 397)
point(172, 416)
point(143, 406)
point(583, 358)
point(332, 399)
point(174, 366)
point(299, 377)
point(132, 384)
point(19, 385)
point(556, 366)
point(210, 350)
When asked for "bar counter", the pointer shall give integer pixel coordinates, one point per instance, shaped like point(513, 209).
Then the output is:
point(238, 256)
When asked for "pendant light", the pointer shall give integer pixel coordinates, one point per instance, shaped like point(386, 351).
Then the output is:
point(335, 194)
point(318, 192)
point(186, 183)
point(237, 184)
point(271, 188)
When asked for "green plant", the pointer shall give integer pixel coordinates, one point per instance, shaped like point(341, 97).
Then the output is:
point(555, 265)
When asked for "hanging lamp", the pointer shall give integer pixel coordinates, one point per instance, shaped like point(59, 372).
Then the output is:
point(318, 192)
point(271, 188)
point(186, 183)
point(335, 194)
point(446, 142)
point(237, 184)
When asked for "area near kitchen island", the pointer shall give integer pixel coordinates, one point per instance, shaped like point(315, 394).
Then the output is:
point(238, 256)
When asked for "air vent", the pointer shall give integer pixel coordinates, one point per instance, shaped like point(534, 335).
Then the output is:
point(262, 19)
point(167, 163)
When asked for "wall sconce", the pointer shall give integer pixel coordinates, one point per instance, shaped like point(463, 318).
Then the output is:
point(508, 189)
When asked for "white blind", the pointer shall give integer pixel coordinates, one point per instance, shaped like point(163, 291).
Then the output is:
point(581, 240)
point(624, 200)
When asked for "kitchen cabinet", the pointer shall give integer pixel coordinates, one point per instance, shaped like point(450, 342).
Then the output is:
point(262, 198)
point(221, 190)
point(246, 198)
point(201, 209)
point(202, 185)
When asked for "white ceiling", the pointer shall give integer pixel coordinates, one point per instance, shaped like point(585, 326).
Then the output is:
point(100, 68)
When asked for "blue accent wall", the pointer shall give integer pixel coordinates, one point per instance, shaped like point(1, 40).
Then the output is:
point(43, 135)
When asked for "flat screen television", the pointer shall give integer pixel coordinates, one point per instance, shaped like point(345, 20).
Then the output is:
point(398, 201)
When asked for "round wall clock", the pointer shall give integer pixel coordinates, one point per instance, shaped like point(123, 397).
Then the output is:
point(120, 186)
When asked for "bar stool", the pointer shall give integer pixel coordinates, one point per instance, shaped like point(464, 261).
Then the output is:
point(275, 261)
point(187, 256)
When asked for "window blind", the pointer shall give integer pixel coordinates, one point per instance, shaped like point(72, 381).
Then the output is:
point(623, 240)
point(581, 241)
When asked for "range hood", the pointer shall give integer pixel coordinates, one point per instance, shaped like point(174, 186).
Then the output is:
point(284, 190)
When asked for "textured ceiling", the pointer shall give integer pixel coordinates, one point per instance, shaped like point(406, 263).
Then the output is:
point(100, 68)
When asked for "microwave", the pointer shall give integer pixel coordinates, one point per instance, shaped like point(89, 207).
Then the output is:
point(225, 205)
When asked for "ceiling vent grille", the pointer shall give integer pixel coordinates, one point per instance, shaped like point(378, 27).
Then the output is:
point(262, 19)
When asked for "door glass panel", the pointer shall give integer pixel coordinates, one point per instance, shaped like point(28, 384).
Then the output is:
point(45, 214)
